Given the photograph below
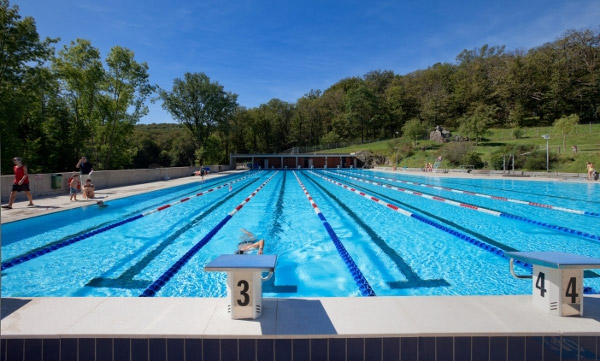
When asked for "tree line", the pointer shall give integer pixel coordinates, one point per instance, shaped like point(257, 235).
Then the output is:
point(58, 105)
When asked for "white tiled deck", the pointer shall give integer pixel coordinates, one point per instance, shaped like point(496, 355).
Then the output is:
point(293, 317)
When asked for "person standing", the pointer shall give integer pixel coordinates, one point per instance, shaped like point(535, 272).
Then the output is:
point(590, 170)
point(20, 184)
point(85, 168)
point(73, 185)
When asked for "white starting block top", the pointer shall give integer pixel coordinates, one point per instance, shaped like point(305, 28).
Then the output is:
point(556, 260)
point(557, 279)
point(242, 262)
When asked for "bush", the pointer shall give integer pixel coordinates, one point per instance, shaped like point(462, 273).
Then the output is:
point(473, 159)
point(496, 161)
point(518, 133)
point(521, 152)
point(537, 161)
point(455, 152)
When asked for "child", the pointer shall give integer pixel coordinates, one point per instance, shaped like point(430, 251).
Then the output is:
point(88, 189)
point(73, 185)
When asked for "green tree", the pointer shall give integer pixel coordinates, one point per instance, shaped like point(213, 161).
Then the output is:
point(125, 89)
point(199, 104)
point(360, 106)
point(566, 125)
point(477, 124)
point(80, 72)
point(414, 130)
point(22, 55)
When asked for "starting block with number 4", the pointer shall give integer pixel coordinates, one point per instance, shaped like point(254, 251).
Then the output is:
point(557, 279)
point(244, 281)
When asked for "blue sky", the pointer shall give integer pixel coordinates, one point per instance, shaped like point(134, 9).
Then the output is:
point(282, 49)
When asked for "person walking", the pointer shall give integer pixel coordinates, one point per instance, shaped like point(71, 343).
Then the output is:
point(20, 184)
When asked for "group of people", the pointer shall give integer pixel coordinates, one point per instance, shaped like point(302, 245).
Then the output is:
point(21, 182)
point(82, 182)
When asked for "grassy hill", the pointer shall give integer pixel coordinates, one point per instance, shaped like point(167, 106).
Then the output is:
point(586, 138)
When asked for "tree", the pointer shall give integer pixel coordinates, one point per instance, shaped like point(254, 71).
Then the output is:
point(125, 89)
point(79, 70)
point(360, 104)
point(566, 125)
point(477, 124)
point(414, 130)
point(199, 104)
point(22, 54)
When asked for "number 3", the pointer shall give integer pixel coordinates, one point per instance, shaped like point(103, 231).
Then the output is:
point(244, 293)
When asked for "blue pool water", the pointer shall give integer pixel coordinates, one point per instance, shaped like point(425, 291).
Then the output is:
point(432, 252)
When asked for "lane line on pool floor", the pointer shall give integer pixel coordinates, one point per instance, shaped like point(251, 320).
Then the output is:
point(492, 212)
point(51, 248)
point(359, 278)
point(171, 271)
point(483, 195)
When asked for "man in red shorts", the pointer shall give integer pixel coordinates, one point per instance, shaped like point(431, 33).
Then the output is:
point(20, 184)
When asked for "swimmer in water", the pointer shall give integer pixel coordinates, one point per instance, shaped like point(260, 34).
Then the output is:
point(249, 243)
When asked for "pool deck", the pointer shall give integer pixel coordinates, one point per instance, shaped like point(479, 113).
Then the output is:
point(46, 205)
point(283, 318)
point(95, 317)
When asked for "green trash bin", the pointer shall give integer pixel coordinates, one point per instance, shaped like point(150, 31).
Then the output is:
point(56, 181)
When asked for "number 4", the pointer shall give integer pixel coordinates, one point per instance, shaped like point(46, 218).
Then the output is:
point(572, 289)
point(540, 283)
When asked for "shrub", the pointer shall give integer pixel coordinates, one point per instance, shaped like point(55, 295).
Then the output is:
point(496, 161)
point(473, 159)
point(455, 152)
point(537, 161)
point(518, 133)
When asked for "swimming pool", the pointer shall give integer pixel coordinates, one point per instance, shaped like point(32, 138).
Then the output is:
point(333, 230)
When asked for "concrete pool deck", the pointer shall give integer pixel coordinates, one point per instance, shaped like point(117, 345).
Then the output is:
point(360, 328)
point(51, 204)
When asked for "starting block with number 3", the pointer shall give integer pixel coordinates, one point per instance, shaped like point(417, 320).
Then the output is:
point(557, 279)
point(244, 281)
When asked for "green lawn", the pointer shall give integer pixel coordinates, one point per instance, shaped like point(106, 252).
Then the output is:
point(586, 137)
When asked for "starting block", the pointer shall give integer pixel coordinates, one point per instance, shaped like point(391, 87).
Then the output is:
point(557, 279)
point(244, 281)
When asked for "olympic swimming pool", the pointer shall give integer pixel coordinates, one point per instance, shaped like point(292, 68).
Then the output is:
point(421, 236)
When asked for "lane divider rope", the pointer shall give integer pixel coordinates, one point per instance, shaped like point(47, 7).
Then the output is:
point(45, 250)
point(553, 227)
point(478, 243)
point(169, 273)
point(359, 278)
point(484, 195)
point(494, 250)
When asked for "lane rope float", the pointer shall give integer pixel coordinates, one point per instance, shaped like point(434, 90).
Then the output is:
point(478, 243)
point(489, 248)
point(553, 227)
point(484, 195)
point(359, 278)
point(45, 250)
point(171, 271)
